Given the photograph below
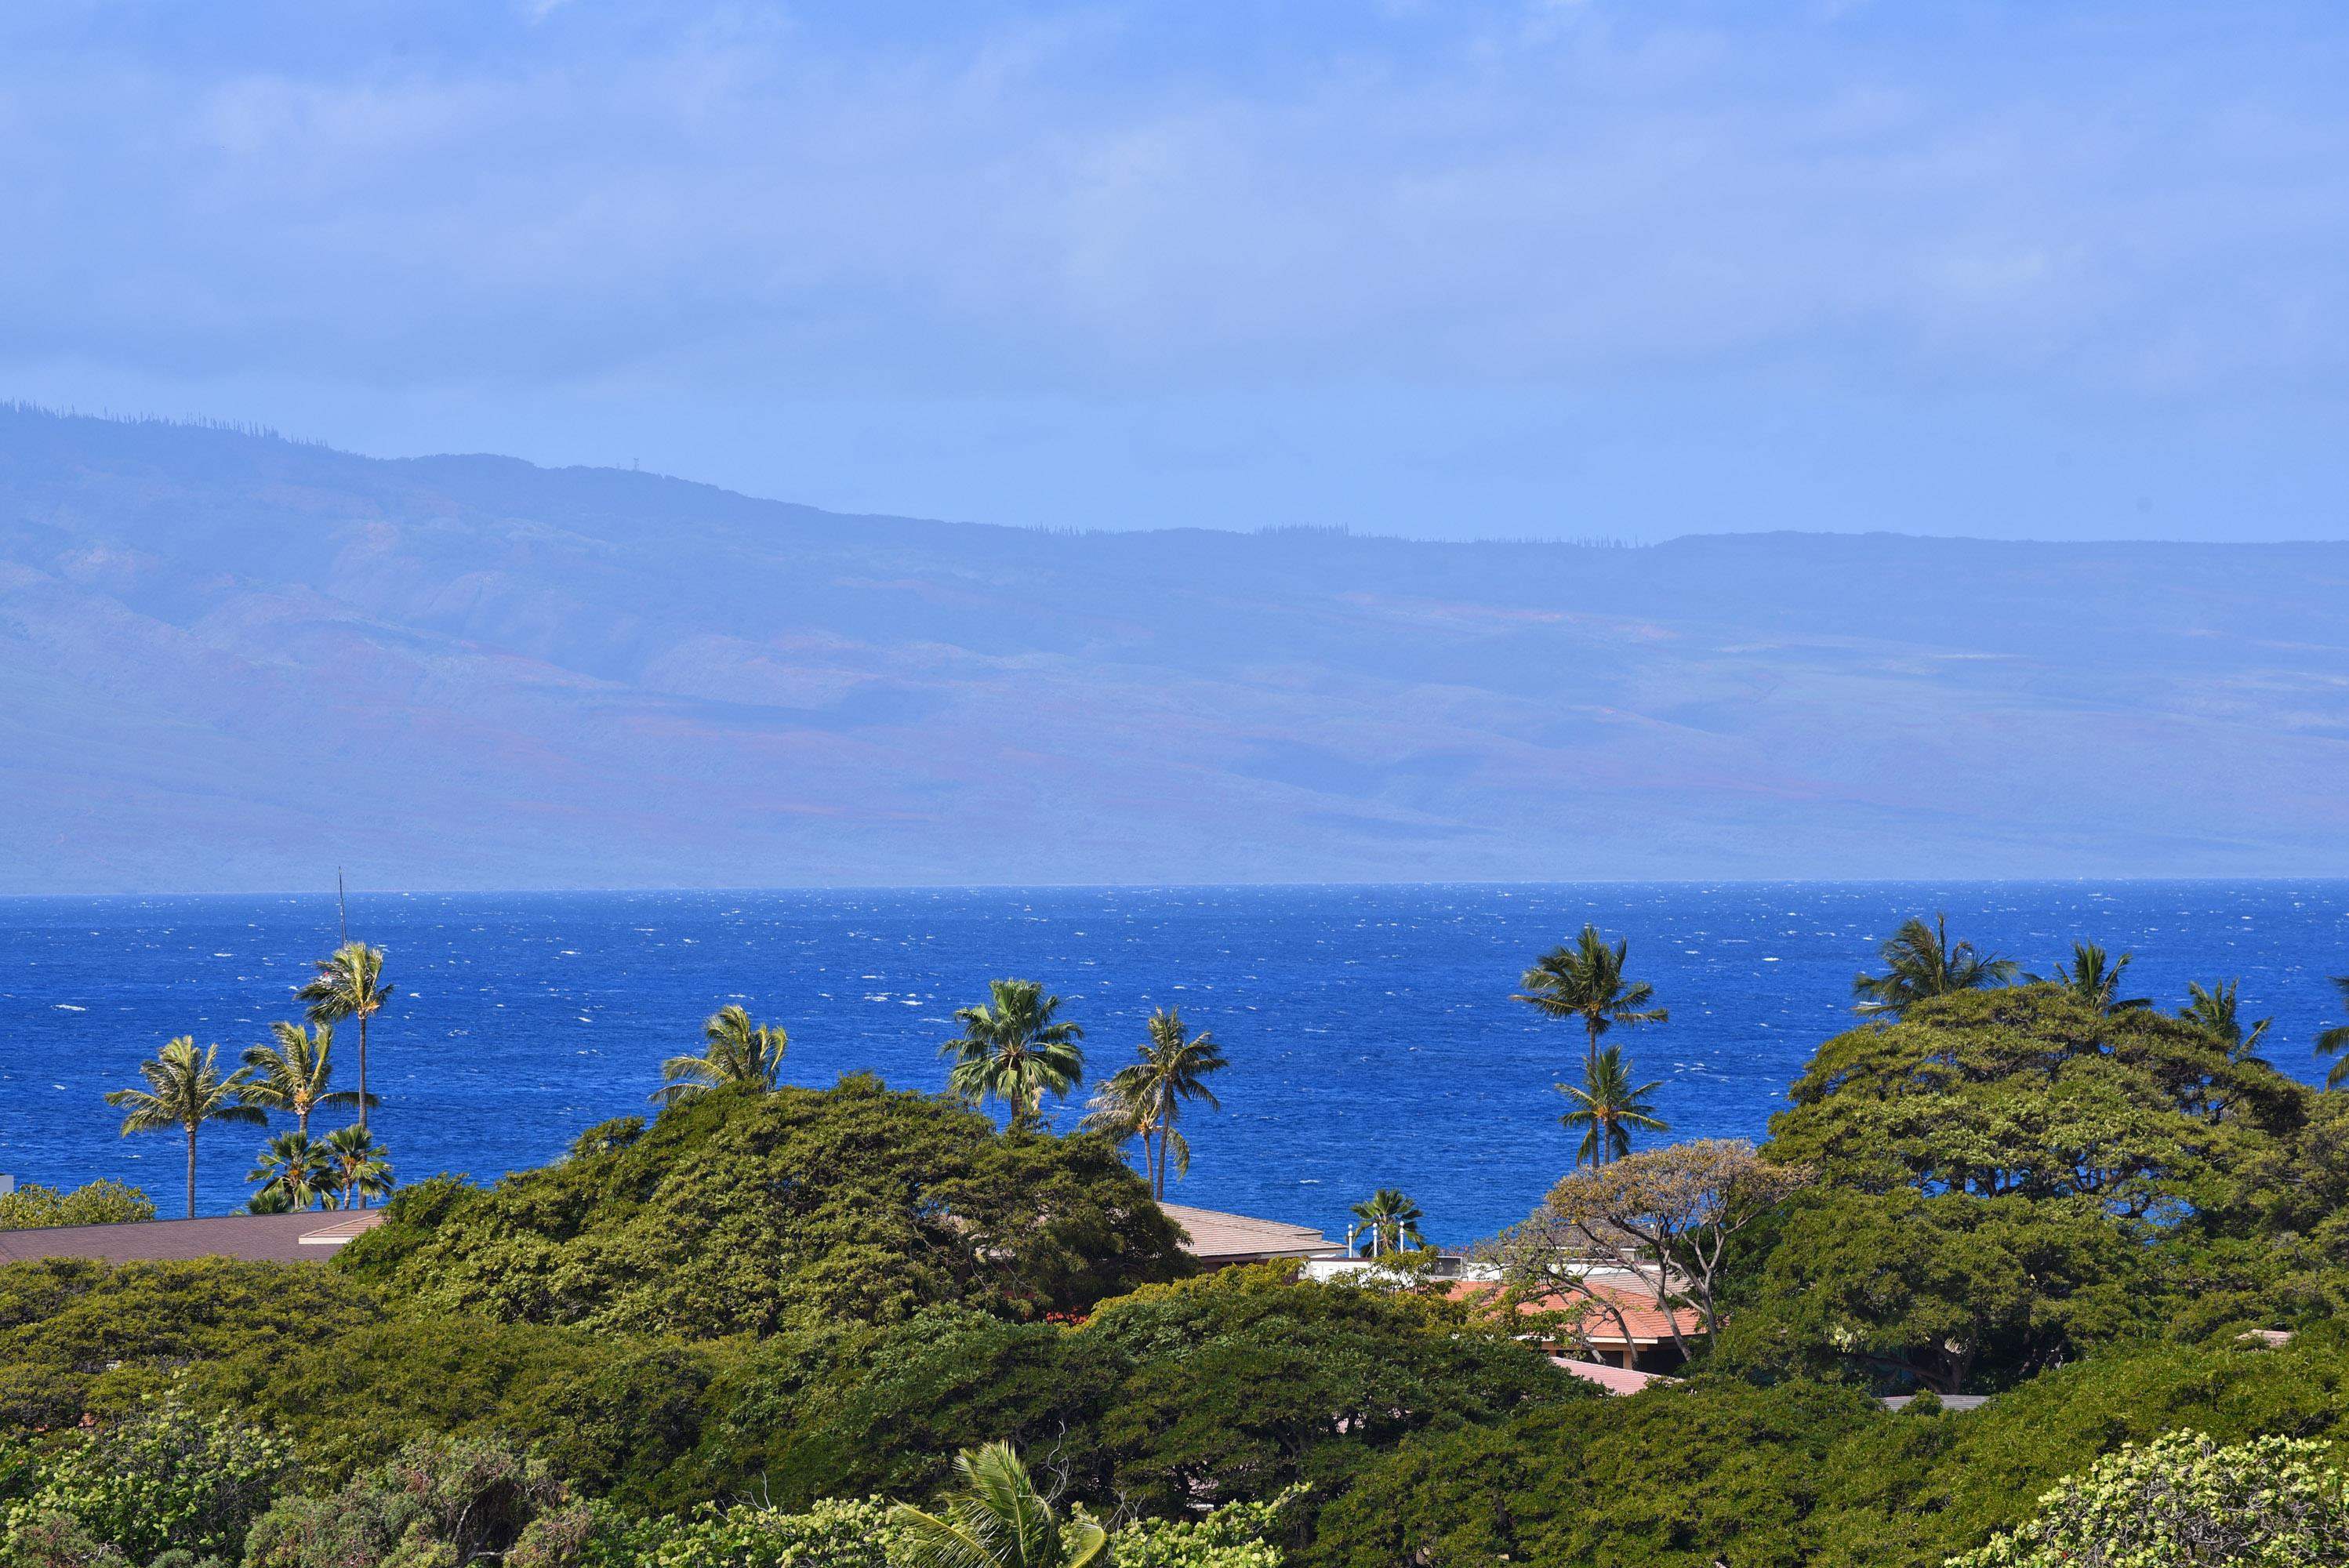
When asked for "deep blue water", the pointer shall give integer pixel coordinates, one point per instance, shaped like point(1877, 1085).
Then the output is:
point(1372, 1033)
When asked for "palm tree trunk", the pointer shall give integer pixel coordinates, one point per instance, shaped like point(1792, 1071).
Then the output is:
point(191, 1171)
point(1158, 1169)
point(363, 1018)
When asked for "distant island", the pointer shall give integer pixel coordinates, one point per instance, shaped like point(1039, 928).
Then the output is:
point(231, 659)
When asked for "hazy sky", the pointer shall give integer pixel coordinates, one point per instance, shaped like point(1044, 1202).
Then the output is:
point(1617, 268)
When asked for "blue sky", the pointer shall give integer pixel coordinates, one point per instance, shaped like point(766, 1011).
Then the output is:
point(1447, 269)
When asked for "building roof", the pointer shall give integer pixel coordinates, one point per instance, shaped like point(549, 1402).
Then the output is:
point(255, 1238)
point(1614, 1379)
point(1606, 1310)
point(1217, 1238)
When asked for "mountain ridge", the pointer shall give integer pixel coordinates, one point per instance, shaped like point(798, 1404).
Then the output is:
point(231, 659)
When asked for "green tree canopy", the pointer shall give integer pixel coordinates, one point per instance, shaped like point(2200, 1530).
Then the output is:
point(742, 1213)
point(2033, 1092)
point(1900, 1288)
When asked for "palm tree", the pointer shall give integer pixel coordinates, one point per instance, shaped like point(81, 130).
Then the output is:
point(1922, 962)
point(740, 1053)
point(1146, 1099)
point(1390, 1219)
point(349, 985)
point(294, 1172)
point(1607, 1107)
point(1585, 982)
point(2213, 1010)
point(293, 1074)
point(184, 1090)
point(1013, 1050)
point(998, 1519)
point(2334, 1041)
point(2089, 979)
point(357, 1167)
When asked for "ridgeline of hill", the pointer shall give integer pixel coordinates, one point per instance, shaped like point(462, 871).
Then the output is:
point(230, 660)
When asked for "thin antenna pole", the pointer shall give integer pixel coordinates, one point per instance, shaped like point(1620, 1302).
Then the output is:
point(342, 909)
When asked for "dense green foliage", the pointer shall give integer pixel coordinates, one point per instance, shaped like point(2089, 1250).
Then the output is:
point(756, 1213)
point(80, 1337)
point(2183, 1501)
point(101, 1203)
point(162, 1478)
point(619, 1415)
point(1235, 1386)
point(441, 1502)
point(746, 1334)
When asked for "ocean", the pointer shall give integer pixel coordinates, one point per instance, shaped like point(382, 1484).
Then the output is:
point(1372, 1033)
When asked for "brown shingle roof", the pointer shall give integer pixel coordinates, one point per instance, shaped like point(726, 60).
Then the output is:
point(256, 1238)
point(1215, 1238)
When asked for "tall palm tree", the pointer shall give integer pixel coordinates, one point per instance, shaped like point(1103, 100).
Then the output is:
point(1607, 1107)
point(294, 1172)
point(998, 1519)
point(1585, 982)
point(357, 1167)
point(184, 1089)
point(293, 1074)
point(1390, 1219)
point(349, 985)
point(2091, 979)
point(2334, 1041)
point(2213, 1010)
point(1013, 1050)
point(1144, 1099)
point(738, 1053)
point(1921, 963)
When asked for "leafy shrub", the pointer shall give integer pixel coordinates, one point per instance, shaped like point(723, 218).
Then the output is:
point(36, 1539)
point(166, 1478)
point(99, 1203)
point(441, 1504)
point(2183, 1501)
point(1236, 1536)
point(833, 1534)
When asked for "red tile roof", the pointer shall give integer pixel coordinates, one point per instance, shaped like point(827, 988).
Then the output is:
point(1606, 1311)
point(306, 1238)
